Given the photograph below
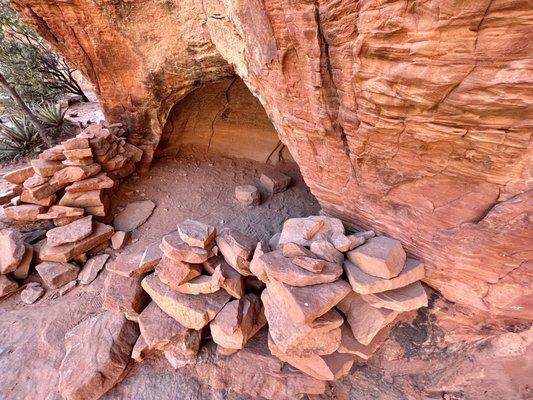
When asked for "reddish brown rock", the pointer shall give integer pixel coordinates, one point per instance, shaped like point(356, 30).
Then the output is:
point(46, 168)
point(274, 181)
point(285, 270)
point(24, 212)
point(53, 154)
point(56, 274)
point(11, 250)
point(256, 266)
point(76, 143)
point(380, 256)
point(365, 321)
point(150, 257)
point(344, 243)
point(237, 249)
point(97, 353)
point(100, 181)
point(364, 283)
point(74, 174)
point(101, 233)
point(133, 152)
point(18, 176)
point(119, 239)
point(237, 322)
point(92, 198)
point(73, 232)
point(202, 284)
point(175, 248)
point(175, 273)
point(27, 197)
point(133, 215)
point(191, 311)
point(11, 194)
point(123, 172)
point(311, 264)
point(326, 251)
point(231, 281)
point(123, 294)
point(7, 286)
point(66, 288)
point(247, 195)
point(356, 240)
point(196, 234)
point(78, 153)
point(23, 268)
point(319, 337)
point(31, 293)
point(305, 304)
point(407, 298)
point(315, 228)
point(56, 212)
point(92, 267)
point(140, 350)
point(182, 351)
point(293, 250)
point(34, 181)
point(350, 345)
point(62, 221)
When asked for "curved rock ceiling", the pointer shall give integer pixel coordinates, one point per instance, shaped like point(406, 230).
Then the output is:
point(411, 117)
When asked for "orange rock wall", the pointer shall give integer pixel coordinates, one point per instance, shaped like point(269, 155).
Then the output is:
point(413, 118)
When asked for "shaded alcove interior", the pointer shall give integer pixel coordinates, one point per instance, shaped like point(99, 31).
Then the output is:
point(222, 118)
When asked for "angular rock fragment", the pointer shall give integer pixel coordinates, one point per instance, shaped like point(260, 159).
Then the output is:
point(328, 367)
point(356, 241)
point(7, 286)
point(46, 168)
point(12, 195)
point(56, 212)
point(274, 241)
point(196, 234)
point(202, 284)
point(365, 321)
point(237, 322)
point(73, 232)
point(341, 242)
point(23, 268)
point(101, 233)
point(56, 274)
point(380, 256)
point(256, 266)
point(364, 283)
point(34, 181)
point(67, 287)
point(231, 280)
point(24, 212)
point(92, 198)
point(295, 229)
point(100, 181)
point(123, 294)
point(150, 257)
point(97, 354)
point(305, 304)
point(32, 293)
point(133, 152)
point(326, 251)
point(53, 154)
point(319, 337)
point(311, 264)
point(75, 173)
point(119, 239)
point(134, 215)
point(43, 191)
point(76, 143)
point(175, 248)
point(292, 250)
point(182, 351)
point(175, 273)
point(92, 267)
point(274, 181)
point(407, 298)
point(350, 345)
point(18, 176)
point(27, 197)
point(247, 195)
point(237, 249)
point(191, 311)
point(12, 250)
point(285, 270)
point(140, 350)
point(78, 153)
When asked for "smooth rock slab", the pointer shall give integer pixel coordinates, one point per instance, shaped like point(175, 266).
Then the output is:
point(407, 298)
point(57, 274)
point(202, 284)
point(18, 176)
point(70, 233)
point(175, 248)
point(350, 345)
point(123, 294)
point(196, 234)
point(24, 212)
point(237, 249)
point(12, 250)
point(191, 311)
point(275, 181)
point(326, 251)
point(97, 353)
point(134, 215)
point(364, 283)
point(175, 273)
point(380, 256)
point(92, 267)
point(100, 181)
point(295, 230)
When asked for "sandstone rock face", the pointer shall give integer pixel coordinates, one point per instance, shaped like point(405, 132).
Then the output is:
point(415, 121)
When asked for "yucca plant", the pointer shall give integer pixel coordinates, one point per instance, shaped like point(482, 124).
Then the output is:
point(52, 116)
point(19, 138)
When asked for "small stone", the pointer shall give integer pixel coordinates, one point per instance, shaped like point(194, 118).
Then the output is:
point(175, 273)
point(292, 250)
point(63, 290)
point(202, 284)
point(27, 197)
point(41, 192)
point(133, 152)
point(313, 230)
point(11, 195)
point(150, 258)
point(365, 234)
point(34, 181)
point(140, 350)
point(134, 215)
point(356, 241)
point(32, 293)
point(326, 251)
point(12, 250)
point(24, 212)
point(305, 231)
point(100, 181)
point(57, 274)
point(76, 143)
point(123, 294)
point(97, 353)
point(7, 286)
point(350, 345)
point(18, 176)
point(92, 267)
point(119, 239)
point(34, 236)
point(310, 264)
point(256, 266)
point(237, 249)
point(407, 298)
point(78, 153)
point(231, 280)
point(341, 242)
point(174, 247)
point(380, 256)
point(191, 311)
point(23, 268)
point(196, 233)
point(182, 351)
point(53, 154)
point(248, 195)
point(46, 168)
point(274, 181)
point(365, 321)
point(73, 232)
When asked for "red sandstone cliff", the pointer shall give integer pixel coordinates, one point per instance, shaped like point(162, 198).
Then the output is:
point(411, 118)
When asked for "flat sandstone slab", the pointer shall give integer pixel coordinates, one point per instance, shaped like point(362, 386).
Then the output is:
point(407, 298)
point(134, 215)
point(380, 256)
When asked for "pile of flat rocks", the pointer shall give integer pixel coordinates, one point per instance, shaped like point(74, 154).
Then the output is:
point(327, 297)
point(68, 185)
